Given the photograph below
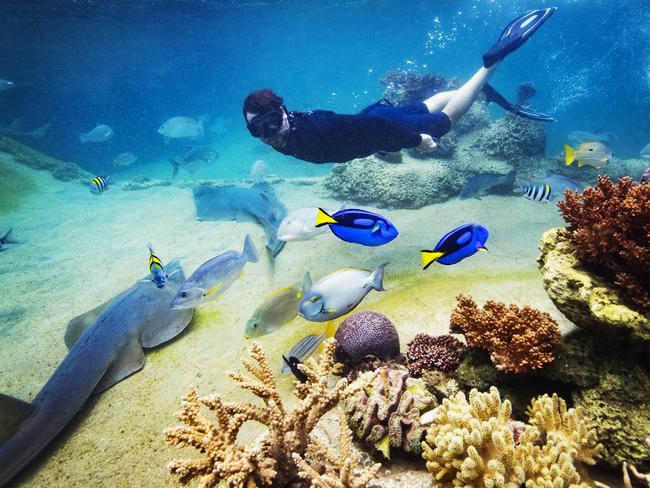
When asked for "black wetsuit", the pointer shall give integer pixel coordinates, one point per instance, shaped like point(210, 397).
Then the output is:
point(322, 136)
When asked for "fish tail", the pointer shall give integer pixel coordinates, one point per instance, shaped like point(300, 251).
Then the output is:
point(7, 239)
point(323, 218)
point(569, 155)
point(378, 278)
point(580, 164)
point(150, 247)
point(175, 166)
point(330, 328)
point(430, 257)
point(250, 252)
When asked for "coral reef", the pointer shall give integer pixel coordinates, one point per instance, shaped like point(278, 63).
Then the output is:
point(427, 352)
point(405, 87)
point(390, 157)
point(338, 470)
point(60, 170)
point(476, 443)
point(512, 137)
point(366, 334)
point(627, 482)
point(387, 413)
point(587, 299)
point(477, 117)
point(412, 184)
point(610, 227)
point(519, 339)
point(525, 91)
point(272, 461)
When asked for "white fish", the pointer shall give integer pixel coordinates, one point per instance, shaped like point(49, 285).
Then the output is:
point(300, 225)
point(181, 127)
point(338, 293)
point(645, 152)
point(5, 85)
point(124, 159)
point(258, 169)
point(101, 133)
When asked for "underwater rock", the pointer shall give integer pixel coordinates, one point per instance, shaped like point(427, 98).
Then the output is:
point(60, 170)
point(477, 117)
point(412, 184)
point(476, 443)
point(512, 137)
point(519, 339)
point(425, 352)
point(585, 298)
point(366, 334)
point(141, 182)
point(446, 147)
point(405, 87)
point(390, 157)
point(387, 412)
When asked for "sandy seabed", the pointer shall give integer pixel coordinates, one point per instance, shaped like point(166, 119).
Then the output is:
point(80, 250)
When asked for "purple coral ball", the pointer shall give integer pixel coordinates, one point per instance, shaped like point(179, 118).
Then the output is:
point(425, 352)
point(364, 334)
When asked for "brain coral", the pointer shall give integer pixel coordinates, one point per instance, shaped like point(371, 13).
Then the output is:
point(363, 334)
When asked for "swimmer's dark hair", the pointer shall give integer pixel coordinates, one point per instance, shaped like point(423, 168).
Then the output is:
point(262, 101)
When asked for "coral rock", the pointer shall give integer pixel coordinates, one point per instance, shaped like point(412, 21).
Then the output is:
point(427, 352)
point(405, 87)
point(610, 227)
point(519, 339)
point(512, 137)
point(387, 412)
point(366, 334)
point(588, 300)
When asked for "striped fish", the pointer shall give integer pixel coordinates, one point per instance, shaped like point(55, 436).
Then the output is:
point(156, 268)
point(100, 184)
point(302, 350)
point(538, 192)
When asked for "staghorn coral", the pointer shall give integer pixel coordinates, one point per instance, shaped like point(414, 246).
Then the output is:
point(387, 412)
point(519, 339)
point(610, 227)
point(339, 470)
point(476, 444)
point(271, 462)
point(427, 352)
point(366, 334)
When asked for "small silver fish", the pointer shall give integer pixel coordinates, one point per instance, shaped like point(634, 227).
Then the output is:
point(214, 276)
point(100, 184)
point(276, 310)
point(302, 350)
point(124, 159)
point(101, 133)
point(182, 127)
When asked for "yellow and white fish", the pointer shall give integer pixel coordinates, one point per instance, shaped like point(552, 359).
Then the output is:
point(594, 154)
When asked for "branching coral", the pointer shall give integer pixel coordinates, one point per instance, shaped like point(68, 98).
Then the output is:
point(339, 470)
point(427, 352)
point(475, 444)
point(519, 339)
point(610, 227)
point(271, 461)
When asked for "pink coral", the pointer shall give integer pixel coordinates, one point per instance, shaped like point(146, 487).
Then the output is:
point(427, 352)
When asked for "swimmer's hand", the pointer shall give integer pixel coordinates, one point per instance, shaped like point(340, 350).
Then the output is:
point(427, 145)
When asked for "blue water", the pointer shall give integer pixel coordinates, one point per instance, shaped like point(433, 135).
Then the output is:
point(132, 65)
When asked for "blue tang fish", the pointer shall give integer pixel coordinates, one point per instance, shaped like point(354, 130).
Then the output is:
point(457, 245)
point(358, 226)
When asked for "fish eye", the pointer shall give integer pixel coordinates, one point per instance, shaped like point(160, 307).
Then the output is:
point(313, 299)
point(184, 294)
point(591, 149)
point(255, 325)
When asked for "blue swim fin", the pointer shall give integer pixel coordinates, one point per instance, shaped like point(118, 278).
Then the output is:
point(494, 96)
point(516, 33)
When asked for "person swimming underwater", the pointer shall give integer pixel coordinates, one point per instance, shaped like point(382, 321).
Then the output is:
point(322, 136)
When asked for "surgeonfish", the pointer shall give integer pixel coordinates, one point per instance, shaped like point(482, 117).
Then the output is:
point(457, 245)
point(300, 225)
point(537, 192)
point(293, 363)
point(101, 133)
point(594, 154)
point(302, 350)
point(214, 276)
point(276, 310)
point(358, 226)
point(182, 127)
point(7, 239)
point(157, 270)
point(645, 152)
point(100, 184)
point(338, 293)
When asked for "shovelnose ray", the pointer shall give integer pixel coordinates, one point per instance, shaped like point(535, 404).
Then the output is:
point(105, 346)
point(255, 204)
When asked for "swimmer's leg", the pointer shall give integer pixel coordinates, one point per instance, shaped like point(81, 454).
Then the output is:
point(437, 102)
point(463, 97)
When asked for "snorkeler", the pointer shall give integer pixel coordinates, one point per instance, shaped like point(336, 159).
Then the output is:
point(322, 136)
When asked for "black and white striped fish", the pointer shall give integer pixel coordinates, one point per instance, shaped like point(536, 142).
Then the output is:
point(538, 192)
point(100, 184)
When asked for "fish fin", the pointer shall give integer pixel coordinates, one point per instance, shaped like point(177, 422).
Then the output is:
point(82, 138)
point(569, 155)
point(429, 257)
point(378, 278)
point(13, 412)
point(323, 218)
point(7, 239)
point(376, 229)
point(129, 360)
point(175, 165)
point(249, 250)
point(580, 164)
point(383, 446)
point(158, 333)
point(40, 132)
point(78, 325)
point(329, 310)
point(482, 248)
point(306, 284)
point(212, 290)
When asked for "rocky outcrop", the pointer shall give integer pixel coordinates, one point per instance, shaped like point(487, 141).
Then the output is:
point(512, 137)
point(587, 299)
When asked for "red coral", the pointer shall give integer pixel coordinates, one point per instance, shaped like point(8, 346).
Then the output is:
point(610, 227)
point(428, 352)
point(519, 339)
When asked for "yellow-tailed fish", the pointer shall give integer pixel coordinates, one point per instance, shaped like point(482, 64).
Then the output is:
point(276, 310)
point(594, 154)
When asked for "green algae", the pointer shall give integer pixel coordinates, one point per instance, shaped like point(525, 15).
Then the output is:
point(15, 186)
